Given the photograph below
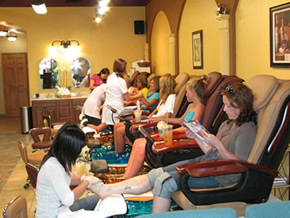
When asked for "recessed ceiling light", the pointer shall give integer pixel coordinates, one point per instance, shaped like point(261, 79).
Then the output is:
point(39, 7)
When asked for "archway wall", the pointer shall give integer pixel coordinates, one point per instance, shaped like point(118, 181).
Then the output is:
point(249, 34)
point(160, 45)
point(173, 10)
point(185, 17)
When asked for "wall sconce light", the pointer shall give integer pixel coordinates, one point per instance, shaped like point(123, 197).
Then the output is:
point(39, 7)
point(11, 36)
point(3, 30)
point(65, 44)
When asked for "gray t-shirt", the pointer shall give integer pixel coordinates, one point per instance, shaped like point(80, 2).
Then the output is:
point(239, 141)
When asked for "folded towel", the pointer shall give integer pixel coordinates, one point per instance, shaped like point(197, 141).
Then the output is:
point(112, 205)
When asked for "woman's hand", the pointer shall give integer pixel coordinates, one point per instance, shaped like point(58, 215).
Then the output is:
point(211, 139)
point(140, 94)
point(189, 133)
point(92, 181)
point(201, 144)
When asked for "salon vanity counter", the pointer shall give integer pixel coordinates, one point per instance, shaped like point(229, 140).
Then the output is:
point(60, 109)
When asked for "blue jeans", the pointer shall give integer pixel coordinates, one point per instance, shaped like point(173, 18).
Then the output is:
point(193, 182)
point(164, 181)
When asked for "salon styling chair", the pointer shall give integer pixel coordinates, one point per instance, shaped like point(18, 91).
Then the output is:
point(183, 148)
point(272, 104)
point(181, 80)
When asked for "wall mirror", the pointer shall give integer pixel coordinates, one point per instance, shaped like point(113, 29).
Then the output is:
point(80, 70)
point(48, 71)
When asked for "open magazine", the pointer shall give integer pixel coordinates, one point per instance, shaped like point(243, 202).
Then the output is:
point(195, 127)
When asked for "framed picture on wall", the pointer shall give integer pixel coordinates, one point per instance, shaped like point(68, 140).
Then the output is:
point(280, 35)
point(197, 50)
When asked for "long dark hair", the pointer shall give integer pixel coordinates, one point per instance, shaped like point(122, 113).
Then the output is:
point(104, 71)
point(67, 145)
point(240, 96)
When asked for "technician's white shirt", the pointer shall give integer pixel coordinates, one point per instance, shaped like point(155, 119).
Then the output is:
point(52, 191)
point(94, 101)
point(115, 89)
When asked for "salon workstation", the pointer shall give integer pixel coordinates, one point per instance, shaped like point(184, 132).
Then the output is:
point(127, 76)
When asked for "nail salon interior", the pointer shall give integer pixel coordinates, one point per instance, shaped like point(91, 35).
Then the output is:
point(136, 65)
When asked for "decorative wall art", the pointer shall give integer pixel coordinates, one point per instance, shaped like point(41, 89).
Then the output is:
point(197, 50)
point(280, 35)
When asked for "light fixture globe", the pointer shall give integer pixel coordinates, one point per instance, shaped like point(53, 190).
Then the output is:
point(11, 36)
point(3, 30)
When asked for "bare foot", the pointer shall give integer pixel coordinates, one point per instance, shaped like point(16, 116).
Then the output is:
point(122, 178)
point(93, 127)
point(101, 191)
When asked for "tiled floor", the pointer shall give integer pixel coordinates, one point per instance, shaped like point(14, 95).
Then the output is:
point(12, 183)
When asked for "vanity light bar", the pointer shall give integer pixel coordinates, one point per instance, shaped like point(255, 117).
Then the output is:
point(65, 44)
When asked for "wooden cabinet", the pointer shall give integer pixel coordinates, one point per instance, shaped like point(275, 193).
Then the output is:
point(60, 110)
point(44, 107)
point(64, 110)
point(75, 109)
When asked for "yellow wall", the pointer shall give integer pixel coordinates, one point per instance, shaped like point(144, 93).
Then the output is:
point(199, 15)
point(160, 44)
point(253, 39)
point(173, 11)
point(101, 43)
point(114, 37)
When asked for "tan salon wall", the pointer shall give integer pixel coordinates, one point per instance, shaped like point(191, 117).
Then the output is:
point(160, 44)
point(173, 11)
point(199, 15)
point(253, 39)
point(101, 43)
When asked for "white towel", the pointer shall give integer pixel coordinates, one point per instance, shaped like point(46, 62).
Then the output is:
point(112, 205)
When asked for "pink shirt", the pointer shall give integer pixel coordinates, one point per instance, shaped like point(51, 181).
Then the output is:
point(97, 80)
